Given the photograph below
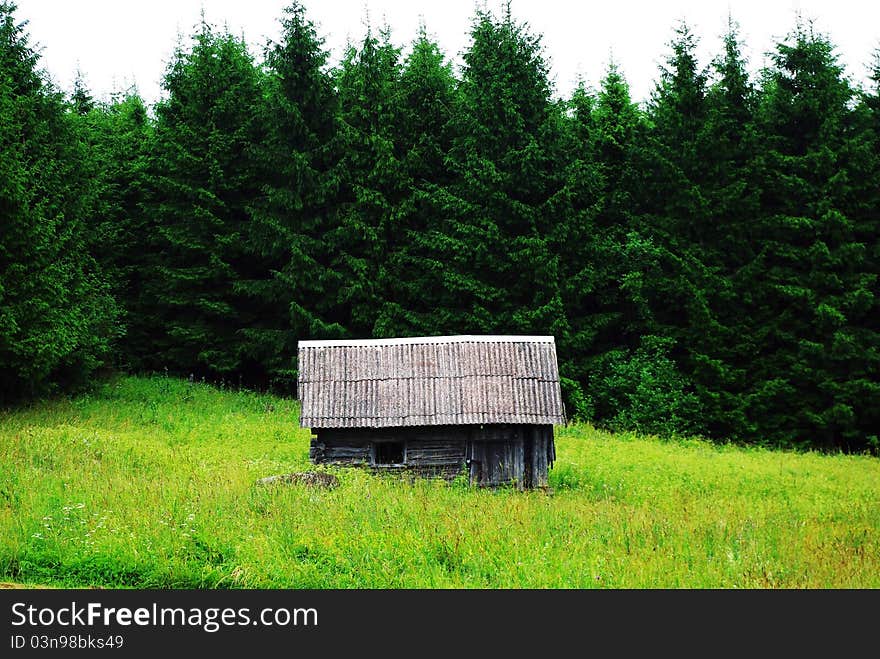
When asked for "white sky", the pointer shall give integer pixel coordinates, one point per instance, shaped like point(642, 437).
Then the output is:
point(119, 42)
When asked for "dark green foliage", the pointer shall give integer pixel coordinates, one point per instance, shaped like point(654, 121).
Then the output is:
point(576, 238)
point(81, 99)
point(425, 102)
point(863, 207)
point(728, 161)
point(730, 190)
point(709, 262)
point(118, 136)
point(56, 317)
point(617, 275)
point(495, 271)
point(373, 179)
point(687, 284)
point(812, 289)
point(679, 111)
point(296, 288)
point(643, 390)
point(202, 185)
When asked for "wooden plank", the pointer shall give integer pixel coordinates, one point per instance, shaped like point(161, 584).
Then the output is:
point(456, 450)
point(346, 453)
point(493, 454)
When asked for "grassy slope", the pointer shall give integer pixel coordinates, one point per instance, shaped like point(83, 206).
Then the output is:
point(150, 483)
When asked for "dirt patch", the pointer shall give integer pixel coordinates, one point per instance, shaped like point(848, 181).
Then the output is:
point(308, 478)
point(8, 585)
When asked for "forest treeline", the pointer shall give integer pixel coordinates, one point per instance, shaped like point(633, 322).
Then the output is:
point(708, 260)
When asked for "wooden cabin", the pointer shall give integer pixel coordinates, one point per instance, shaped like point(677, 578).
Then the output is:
point(435, 406)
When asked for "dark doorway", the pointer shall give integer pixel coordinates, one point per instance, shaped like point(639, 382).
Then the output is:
point(388, 453)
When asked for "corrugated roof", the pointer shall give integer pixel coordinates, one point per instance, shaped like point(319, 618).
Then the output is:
point(416, 381)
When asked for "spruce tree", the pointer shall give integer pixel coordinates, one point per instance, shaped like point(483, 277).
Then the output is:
point(678, 111)
point(118, 137)
point(577, 240)
point(202, 186)
point(684, 229)
point(373, 177)
point(296, 287)
point(730, 183)
point(426, 96)
point(57, 321)
point(497, 273)
point(81, 98)
point(859, 187)
point(731, 188)
point(815, 359)
point(630, 380)
point(867, 217)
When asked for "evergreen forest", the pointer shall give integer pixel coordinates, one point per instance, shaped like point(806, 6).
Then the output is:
point(707, 260)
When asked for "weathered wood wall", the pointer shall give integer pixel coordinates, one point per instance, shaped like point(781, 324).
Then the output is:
point(522, 454)
point(492, 454)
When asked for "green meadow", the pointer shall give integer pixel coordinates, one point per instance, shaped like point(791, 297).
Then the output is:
point(151, 483)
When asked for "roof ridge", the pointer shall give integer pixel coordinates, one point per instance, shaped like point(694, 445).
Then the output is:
point(416, 340)
point(388, 378)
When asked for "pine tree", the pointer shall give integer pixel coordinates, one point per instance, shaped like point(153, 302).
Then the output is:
point(57, 321)
point(118, 136)
point(203, 184)
point(630, 381)
point(684, 230)
point(859, 198)
point(296, 287)
point(867, 217)
point(374, 182)
point(618, 135)
point(815, 362)
point(427, 97)
point(81, 99)
point(731, 188)
point(678, 111)
point(730, 183)
point(577, 241)
point(497, 273)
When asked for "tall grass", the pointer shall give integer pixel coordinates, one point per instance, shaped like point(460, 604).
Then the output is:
point(150, 483)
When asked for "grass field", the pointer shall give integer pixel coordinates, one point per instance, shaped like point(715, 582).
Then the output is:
point(150, 483)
